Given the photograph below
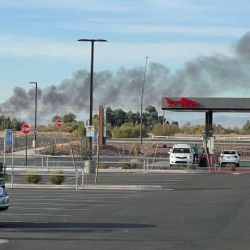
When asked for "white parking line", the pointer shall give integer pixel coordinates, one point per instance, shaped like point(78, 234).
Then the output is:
point(3, 241)
point(58, 204)
point(50, 215)
point(52, 208)
point(64, 198)
point(64, 201)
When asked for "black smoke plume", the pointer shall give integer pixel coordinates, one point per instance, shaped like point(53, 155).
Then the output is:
point(218, 75)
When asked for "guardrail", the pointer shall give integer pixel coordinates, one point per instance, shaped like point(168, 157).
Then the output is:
point(200, 138)
point(78, 171)
point(34, 170)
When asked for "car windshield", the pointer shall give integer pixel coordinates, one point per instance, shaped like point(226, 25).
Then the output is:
point(1, 191)
point(229, 153)
point(181, 150)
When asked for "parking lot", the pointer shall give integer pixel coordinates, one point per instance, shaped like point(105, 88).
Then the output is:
point(189, 212)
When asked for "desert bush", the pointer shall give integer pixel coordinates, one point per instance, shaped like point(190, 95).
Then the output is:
point(192, 166)
point(131, 165)
point(33, 178)
point(57, 179)
point(230, 167)
point(53, 149)
point(128, 131)
point(103, 165)
point(165, 129)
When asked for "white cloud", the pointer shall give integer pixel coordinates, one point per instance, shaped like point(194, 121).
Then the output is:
point(86, 5)
point(109, 55)
point(104, 25)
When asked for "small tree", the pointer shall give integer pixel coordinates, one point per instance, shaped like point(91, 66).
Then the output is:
point(84, 150)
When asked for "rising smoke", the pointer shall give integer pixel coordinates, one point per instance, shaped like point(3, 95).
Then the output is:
point(217, 75)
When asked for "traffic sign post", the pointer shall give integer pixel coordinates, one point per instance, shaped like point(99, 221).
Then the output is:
point(59, 122)
point(8, 142)
point(8, 137)
point(26, 130)
point(90, 131)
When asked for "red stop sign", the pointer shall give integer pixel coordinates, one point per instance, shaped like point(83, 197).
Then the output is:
point(25, 128)
point(59, 123)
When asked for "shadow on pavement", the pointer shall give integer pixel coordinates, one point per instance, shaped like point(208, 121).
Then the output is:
point(62, 226)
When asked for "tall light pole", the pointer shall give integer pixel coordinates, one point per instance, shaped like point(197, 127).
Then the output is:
point(35, 112)
point(142, 93)
point(91, 78)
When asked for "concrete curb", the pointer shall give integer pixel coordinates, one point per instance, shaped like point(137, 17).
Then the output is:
point(113, 170)
point(87, 187)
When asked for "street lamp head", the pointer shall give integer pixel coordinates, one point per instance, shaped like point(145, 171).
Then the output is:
point(33, 83)
point(92, 40)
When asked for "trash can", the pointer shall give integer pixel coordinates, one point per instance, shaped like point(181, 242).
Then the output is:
point(203, 161)
point(90, 166)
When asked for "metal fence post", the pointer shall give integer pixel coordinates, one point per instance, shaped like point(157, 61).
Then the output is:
point(12, 176)
point(82, 178)
point(76, 180)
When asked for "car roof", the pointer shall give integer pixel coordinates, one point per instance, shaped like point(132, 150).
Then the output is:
point(229, 151)
point(181, 146)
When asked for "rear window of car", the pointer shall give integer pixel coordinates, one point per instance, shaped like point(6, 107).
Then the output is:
point(229, 153)
point(181, 150)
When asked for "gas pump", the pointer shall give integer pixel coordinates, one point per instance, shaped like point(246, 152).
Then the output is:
point(210, 145)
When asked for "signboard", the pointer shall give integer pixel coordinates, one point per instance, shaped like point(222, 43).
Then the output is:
point(182, 103)
point(25, 128)
point(59, 122)
point(8, 137)
point(90, 131)
point(204, 104)
point(95, 138)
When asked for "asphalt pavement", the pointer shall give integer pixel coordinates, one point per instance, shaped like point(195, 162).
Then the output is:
point(191, 211)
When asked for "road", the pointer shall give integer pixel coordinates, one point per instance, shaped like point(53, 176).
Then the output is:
point(204, 211)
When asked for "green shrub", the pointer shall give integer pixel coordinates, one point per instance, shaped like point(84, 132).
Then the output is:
point(53, 149)
point(103, 166)
point(165, 129)
point(56, 179)
point(132, 165)
point(128, 131)
point(33, 178)
point(191, 167)
point(230, 167)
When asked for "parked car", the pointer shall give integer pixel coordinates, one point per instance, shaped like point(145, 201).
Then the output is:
point(181, 154)
point(4, 199)
point(229, 157)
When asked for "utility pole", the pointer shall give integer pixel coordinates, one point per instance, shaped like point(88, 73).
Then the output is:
point(142, 93)
point(35, 132)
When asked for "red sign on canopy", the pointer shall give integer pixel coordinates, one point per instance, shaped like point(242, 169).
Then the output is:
point(182, 103)
point(25, 128)
point(59, 123)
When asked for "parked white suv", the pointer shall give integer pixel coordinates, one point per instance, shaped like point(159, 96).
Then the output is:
point(181, 154)
point(229, 157)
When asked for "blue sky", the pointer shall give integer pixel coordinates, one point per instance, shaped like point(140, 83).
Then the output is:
point(39, 38)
